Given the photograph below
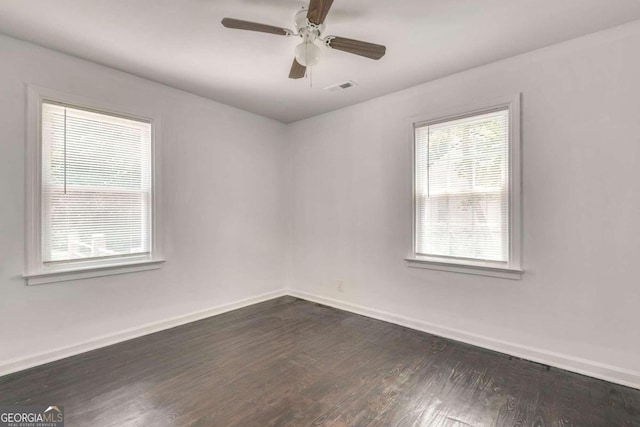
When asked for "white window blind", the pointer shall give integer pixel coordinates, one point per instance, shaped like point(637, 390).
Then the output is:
point(96, 185)
point(462, 188)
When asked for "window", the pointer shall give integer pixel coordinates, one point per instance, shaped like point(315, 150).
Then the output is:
point(466, 192)
point(94, 193)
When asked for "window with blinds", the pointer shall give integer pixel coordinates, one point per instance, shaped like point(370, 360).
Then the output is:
point(462, 188)
point(96, 185)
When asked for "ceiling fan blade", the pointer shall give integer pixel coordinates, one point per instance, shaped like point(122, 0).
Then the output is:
point(254, 26)
point(369, 50)
point(297, 70)
point(318, 10)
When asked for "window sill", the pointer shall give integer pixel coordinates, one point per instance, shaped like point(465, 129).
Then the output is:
point(88, 272)
point(480, 270)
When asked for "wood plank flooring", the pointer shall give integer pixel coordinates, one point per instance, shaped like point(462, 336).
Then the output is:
point(289, 362)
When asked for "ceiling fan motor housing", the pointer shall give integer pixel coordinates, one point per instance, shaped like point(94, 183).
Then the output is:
point(305, 28)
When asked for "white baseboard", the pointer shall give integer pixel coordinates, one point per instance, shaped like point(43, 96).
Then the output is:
point(574, 364)
point(582, 366)
point(15, 365)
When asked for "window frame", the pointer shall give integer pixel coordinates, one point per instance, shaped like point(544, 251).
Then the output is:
point(37, 272)
point(512, 269)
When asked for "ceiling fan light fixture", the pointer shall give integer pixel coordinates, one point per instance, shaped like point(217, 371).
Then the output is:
point(307, 54)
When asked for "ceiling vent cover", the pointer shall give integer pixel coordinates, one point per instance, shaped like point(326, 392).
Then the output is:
point(341, 86)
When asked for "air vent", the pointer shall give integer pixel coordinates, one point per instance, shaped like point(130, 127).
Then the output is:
point(341, 86)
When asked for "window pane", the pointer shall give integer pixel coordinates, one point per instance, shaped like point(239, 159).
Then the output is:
point(462, 188)
point(96, 192)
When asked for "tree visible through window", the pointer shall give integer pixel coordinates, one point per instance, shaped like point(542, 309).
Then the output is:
point(462, 188)
point(96, 185)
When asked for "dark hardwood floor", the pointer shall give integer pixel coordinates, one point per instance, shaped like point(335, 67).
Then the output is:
point(289, 362)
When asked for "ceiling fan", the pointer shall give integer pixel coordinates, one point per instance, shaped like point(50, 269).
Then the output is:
point(309, 25)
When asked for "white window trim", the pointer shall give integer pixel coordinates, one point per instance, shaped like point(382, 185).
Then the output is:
point(36, 272)
point(513, 268)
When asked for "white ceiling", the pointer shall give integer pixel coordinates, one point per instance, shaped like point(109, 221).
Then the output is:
point(181, 42)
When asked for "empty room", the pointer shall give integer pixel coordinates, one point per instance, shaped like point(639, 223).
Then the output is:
point(259, 213)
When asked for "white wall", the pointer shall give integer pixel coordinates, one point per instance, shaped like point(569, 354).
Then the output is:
point(225, 228)
point(580, 295)
point(250, 204)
